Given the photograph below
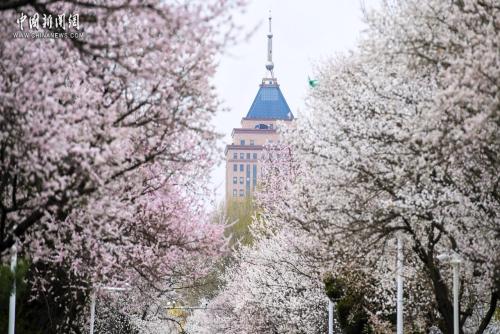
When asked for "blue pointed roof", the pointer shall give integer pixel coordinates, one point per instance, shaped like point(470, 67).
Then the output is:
point(269, 103)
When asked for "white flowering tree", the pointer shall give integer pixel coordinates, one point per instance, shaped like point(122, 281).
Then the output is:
point(274, 287)
point(402, 141)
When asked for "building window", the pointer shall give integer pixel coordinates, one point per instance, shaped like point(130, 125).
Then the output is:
point(235, 155)
point(248, 179)
point(241, 179)
point(242, 156)
point(242, 168)
point(254, 175)
point(252, 142)
point(235, 168)
point(235, 180)
point(235, 192)
point(248, 156)
point(242, 192)
point(261, 126)
point(242, 142)
point(270, 141)
point(255, 156)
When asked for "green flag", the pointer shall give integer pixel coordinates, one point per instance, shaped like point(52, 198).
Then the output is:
point(312, 82)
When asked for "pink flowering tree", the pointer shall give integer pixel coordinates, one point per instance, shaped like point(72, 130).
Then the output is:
point(104, 142)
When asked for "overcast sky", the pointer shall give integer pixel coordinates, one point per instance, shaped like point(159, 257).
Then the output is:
point(305, 32)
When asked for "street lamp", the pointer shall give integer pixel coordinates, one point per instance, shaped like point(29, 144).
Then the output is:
point(455, 262)
point(330, 316)
point(399, 283)
point(12, 299)
point(331, 312)
point(93, 302)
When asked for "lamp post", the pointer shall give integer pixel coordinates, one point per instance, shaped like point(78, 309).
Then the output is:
point(399, 282)
point(333, 326)
point(92, 311)
point(93, 302)
point(12, 299)
point(330, 316)
point(455, 262)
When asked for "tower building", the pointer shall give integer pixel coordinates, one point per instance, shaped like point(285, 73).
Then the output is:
point(258, 128)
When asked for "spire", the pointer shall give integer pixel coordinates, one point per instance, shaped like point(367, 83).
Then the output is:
point(269, 63)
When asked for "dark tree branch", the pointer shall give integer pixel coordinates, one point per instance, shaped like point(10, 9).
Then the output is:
point(14, 4)
point(491, 310)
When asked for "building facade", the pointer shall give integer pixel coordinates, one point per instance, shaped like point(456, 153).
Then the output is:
point(258, 129)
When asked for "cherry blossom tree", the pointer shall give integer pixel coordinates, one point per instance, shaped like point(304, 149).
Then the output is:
point(274, 287)
point(274, 284)
point(104, 142)
point(400, 143)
